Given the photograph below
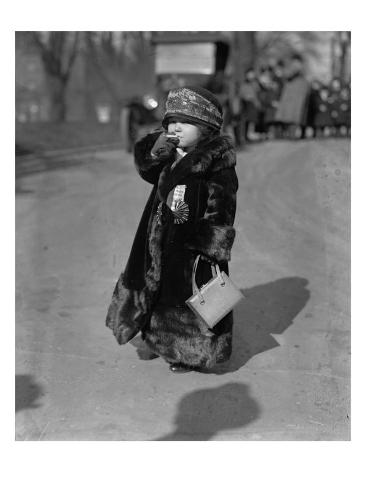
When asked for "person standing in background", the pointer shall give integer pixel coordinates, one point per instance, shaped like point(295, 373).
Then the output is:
point(322, 119)
point(345, 109)
point(270, 96)
point(293, 105)
point(263, 83)
point(278, 76)
point(314, 100)
point(249, 94)
point(334, 101)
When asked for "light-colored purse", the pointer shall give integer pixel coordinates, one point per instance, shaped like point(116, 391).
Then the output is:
point(214, 299)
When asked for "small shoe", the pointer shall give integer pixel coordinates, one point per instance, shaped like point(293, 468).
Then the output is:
point(180, 368)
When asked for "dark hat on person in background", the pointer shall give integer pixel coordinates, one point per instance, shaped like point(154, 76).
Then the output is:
point(194, 105)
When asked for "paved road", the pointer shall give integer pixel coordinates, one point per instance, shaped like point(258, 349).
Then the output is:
point(289, 375)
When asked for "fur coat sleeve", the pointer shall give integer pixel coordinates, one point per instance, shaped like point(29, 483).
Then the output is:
point(214, 232)
point(148, 168)
point(214, 163)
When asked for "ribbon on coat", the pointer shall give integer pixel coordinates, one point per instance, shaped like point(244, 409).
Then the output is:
point(177, 205)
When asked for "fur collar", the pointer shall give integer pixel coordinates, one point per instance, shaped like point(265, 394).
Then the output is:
point(210, 156)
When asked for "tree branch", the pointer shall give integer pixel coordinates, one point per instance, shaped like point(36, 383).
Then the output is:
point(101, 72)
point(72, 57)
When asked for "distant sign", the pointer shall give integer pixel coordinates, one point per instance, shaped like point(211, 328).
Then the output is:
point(185, 58)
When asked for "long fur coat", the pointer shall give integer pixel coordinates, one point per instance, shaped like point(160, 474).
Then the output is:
point(150, 294)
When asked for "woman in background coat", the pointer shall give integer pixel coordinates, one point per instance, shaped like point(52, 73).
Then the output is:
point(293, 105)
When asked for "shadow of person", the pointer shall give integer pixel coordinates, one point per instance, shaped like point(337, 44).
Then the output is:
point(267, 309)
point(27, 392)
point(203, 413)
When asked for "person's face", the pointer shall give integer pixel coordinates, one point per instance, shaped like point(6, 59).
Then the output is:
point(188, 134)
point(265, 78)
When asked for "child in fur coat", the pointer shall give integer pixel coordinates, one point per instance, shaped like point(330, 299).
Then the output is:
point(190, 211)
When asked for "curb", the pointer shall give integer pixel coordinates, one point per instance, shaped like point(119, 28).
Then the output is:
point(60, 153)
point(49, 160)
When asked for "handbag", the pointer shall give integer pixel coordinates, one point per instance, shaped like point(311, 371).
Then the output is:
point(214, 299)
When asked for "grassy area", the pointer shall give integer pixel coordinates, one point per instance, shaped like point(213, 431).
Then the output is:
point(38, 137)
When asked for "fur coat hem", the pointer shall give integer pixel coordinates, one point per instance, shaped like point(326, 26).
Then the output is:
point(150, 294)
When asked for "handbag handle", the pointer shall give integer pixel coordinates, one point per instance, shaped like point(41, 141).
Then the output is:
point(215, 272)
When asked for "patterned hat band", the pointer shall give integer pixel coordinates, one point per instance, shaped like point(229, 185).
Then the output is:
point(192, 106)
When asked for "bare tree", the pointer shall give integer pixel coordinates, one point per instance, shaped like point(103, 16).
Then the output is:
point(284, 43)
point(244, 47)
point(123, 61)
point(58, 51)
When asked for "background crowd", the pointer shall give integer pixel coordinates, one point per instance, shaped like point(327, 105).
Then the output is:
point(80, 89)
point(278, 101)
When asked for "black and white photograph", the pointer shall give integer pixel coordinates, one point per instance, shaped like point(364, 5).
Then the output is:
point(182, 235)
point(183, 244)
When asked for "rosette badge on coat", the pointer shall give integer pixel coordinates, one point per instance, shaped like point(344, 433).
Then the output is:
point(177, 205)
point(181, 212)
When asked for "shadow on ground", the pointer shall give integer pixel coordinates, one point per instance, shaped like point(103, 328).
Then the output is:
point(267, 309)
point(204, 413)
point(27, 392)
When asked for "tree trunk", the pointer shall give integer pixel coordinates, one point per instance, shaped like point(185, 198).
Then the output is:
point(244, 45)
point(57, 92)
point(343, 62)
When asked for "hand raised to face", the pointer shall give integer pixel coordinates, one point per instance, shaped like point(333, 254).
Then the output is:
point(164, 147)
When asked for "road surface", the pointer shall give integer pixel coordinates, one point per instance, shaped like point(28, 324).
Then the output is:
point(289, 377)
